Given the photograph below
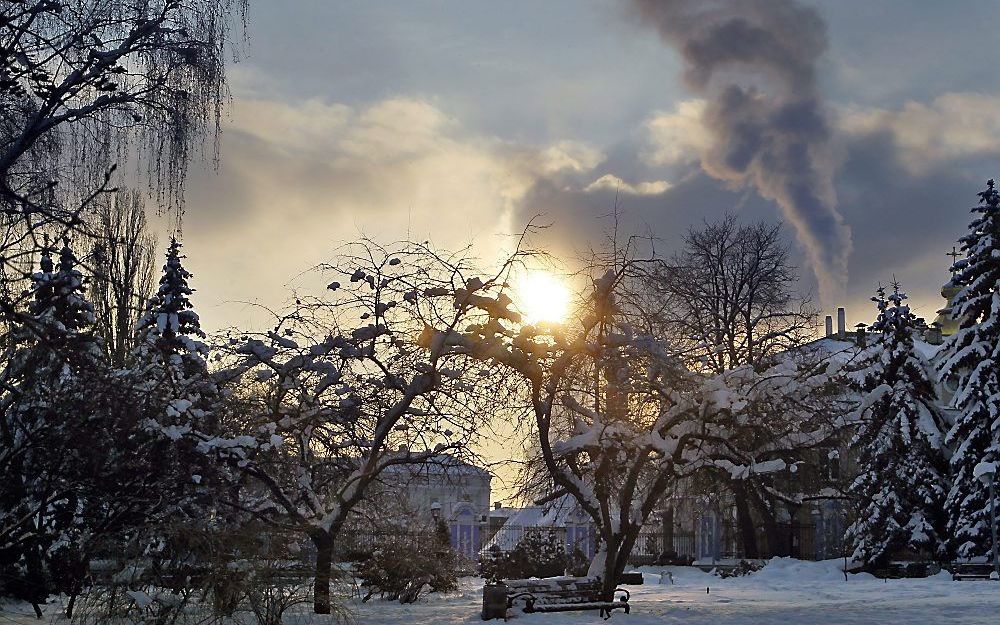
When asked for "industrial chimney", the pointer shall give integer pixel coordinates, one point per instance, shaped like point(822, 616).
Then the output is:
point(829, 326)
point(841, 324)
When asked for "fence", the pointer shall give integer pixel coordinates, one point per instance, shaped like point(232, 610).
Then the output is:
point(797, 540)
point(358, 544)
point(656, 547)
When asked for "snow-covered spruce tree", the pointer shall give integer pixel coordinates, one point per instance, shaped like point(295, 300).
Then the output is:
point(170, 353)
point(971, 357)
point(170, 369)
point(902, 482)
point(48, 422)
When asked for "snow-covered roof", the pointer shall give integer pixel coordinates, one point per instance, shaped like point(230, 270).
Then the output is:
point(438, 465)
point(559, 513)
point(504, 513)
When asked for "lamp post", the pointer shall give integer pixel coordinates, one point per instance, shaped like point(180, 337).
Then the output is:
point(986, 472)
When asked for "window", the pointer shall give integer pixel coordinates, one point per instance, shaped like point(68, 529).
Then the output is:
point(830, 465)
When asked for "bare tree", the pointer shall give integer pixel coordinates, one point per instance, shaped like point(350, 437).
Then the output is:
point(612, 407)
point(621, 419)
point(124, 264)
point(729, 296)
point(728, 300)
point(346, 386)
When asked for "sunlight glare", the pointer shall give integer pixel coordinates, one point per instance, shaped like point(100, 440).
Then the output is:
point(542, 297)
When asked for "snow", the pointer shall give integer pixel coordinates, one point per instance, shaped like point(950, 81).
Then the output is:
point(984, 468)
point(140, 598)
point(740, 472)
point(785, 592)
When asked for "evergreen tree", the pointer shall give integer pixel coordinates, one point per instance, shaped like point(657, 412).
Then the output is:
point(972, 359)
point(902, 484)
point(181, 399)
point(50, 427)
point(59, 332)
point(171, 352)
point(169, 333)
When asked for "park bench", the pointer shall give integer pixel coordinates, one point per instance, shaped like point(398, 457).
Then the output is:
point(903, 570)
point(558, 594)
point(969, 571)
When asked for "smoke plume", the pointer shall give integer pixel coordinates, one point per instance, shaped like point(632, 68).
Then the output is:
point(754, 62)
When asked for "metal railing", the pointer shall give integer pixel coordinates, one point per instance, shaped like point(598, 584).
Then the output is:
point(797, 540)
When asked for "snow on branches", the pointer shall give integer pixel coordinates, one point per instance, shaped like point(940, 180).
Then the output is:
point(971, 357)
point(620, 418)
point(344, 386)
point(902, 479)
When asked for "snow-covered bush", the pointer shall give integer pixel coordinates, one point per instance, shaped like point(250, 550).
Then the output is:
point(403, 569)
point(742, 569)
point(539, 553)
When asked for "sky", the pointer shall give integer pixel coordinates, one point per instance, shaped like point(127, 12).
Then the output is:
point(865, 126)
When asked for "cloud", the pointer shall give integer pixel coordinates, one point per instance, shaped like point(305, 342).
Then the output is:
point(297, 178)
point(610, 182)
point(677, 136)
point(952, 126)
point(569, 156)
point(311, 126)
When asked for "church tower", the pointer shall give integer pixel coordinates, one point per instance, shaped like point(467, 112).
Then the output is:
point(944, 319)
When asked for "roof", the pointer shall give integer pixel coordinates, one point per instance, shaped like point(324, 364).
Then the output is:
point(559, 513)
point(438, 464)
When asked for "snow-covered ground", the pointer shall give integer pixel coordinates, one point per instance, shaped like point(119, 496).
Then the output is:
point(786, 592)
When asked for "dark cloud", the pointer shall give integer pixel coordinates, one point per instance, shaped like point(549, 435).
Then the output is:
point(582, 219)
point(903, 221)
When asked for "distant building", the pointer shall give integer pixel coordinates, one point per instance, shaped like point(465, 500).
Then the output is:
point(571, 526)
point(699, 521)
point(445, 488)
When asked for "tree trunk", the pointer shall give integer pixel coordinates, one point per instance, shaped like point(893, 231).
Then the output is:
point(613, 567)
point(69, 606)
point(668, 536)
point(772, 535)
point(775, 540)
point(615, 553)
point(323, 542)
point(744, 520)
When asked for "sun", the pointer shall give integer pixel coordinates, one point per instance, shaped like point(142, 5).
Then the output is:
point(542, 297)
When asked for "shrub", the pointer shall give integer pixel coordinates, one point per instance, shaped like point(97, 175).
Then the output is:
point(539, 553)
point(404, 567)
point(742, 568)
point(577, 563)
